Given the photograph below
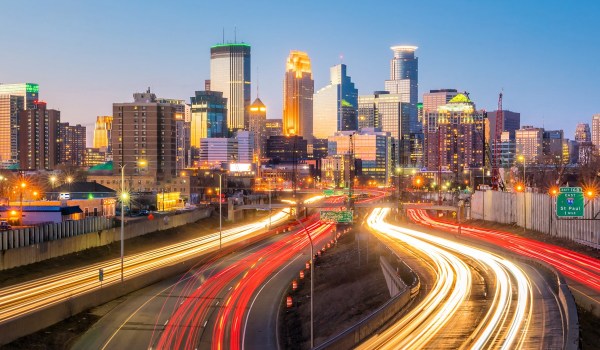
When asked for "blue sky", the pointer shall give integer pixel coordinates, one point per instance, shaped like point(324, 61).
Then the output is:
point(88, 54)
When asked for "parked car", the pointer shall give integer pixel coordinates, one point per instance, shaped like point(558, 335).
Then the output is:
point(4, 226)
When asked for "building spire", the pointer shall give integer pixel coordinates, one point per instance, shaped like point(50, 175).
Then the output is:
point(257, 82)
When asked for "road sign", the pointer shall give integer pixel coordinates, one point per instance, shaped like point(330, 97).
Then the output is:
point(101, 275)
point(570, 202)
point(344, 216)
point(328, 193)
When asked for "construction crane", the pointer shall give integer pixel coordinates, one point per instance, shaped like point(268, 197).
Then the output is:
point(497, 183)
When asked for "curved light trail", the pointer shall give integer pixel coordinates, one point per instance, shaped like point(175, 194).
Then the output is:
point(573, 265)
point(40, 293)
point(506, 322)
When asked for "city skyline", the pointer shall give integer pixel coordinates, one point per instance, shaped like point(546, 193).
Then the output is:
point(518, 55)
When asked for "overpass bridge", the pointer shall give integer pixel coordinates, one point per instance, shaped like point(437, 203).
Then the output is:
point(386, 204)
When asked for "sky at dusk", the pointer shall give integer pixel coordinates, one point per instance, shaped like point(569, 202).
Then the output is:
point(86, 55)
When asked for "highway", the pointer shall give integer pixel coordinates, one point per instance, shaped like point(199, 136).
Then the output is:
point(574, 266)
point(208, 306)
point(517, 309)
point(28, 297)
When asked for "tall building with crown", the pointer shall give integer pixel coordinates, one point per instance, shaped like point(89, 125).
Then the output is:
point(298, 89)
point(454, 136)
point(404, 80)
point(257, 123)
point(230, 74)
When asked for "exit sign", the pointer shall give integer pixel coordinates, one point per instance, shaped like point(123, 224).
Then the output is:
point(570, 202)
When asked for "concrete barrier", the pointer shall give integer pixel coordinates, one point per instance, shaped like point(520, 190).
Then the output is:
point(61, 244)
point(365, 328)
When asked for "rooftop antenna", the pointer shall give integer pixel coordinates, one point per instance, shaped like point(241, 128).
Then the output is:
point(223, 35)
point(257, 81)
point(235, 35)
point(341, 58)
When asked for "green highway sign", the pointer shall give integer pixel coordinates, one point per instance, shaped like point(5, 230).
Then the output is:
point(344, 216)
point(570, 202)
point(328, 193)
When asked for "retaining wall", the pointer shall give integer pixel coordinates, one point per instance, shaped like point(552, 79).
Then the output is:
point(58, 245)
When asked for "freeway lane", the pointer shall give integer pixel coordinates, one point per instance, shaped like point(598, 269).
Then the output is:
point(204, 308)
point(576, 267)
point(31, 296)
point(508, 319)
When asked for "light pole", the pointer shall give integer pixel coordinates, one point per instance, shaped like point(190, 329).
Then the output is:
point(220, 210)
point(312, 284)
point(124, 197)
point(22, 185)
point(522, 159)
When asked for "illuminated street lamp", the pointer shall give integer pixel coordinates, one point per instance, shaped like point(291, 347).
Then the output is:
point(124, 197)
point(52, 180)
point(22, 186)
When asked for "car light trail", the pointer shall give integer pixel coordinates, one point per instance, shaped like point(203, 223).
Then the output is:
point(506, 322)
point(37, 294)
point(573, 265)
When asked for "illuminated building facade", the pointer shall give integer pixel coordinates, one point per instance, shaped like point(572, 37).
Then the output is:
point(404, 80)
point(13, 98)
point(183, 115)
point(257, 120)
point(298, 90)
point(595, 133)
point(209, 116)
point(454, 136)
point(287, 149)
point(217, 150)
point(274, 127)
point(38, 138)
point(245, 146)
point(230, 74)
point(529, 143)
point(72, 144)
point(335, 106)
point(373, 148)
point(102, 133)
point(144, 130)
point(93, 156)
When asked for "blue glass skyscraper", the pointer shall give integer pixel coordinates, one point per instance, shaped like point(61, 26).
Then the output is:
point(336, 105)
point(404, 80)
point(209, 116)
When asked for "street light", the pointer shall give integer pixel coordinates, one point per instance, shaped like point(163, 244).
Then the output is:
point(220, 210)
point(22, 186)
point(124, 197)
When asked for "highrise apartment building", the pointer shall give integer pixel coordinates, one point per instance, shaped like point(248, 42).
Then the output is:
point(13, 98)
point(39, 132)
point(230, 74)
point(298, 90)
point(454, 136)
point(257, 120)
point(404, 80)
point(144, 130)
point(72, 144)
point(530, 143)
point(583, 133)
point(596, 131)
point(335, 107)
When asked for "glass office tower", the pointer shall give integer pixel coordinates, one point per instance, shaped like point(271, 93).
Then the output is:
point(335, 106)
point(404, 80)
point(209, 116)
point(230, 74)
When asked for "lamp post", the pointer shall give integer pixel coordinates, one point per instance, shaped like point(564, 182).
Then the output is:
point(124, 196)
point(221, 208)
point(22, 185)
point(522, 159)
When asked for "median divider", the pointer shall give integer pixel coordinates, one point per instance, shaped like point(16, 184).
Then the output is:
point(365, 328)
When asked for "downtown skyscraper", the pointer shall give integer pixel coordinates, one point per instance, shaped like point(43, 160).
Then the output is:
point(298, 90)
point(336, 105)
point(404, 80)
point(230, 74)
